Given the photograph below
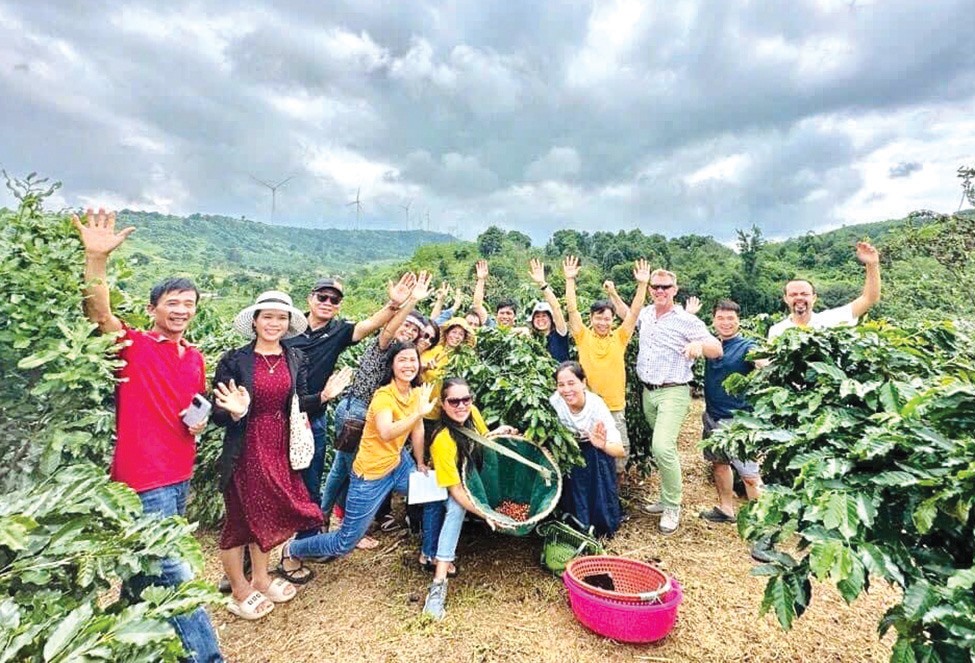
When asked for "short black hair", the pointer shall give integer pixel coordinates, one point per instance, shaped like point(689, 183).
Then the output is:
point(727, 305)
point(507, 302)
point(601, 305)
point(175, 284)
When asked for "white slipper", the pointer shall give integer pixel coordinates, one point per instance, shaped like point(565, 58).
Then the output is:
point(278, 591)
point(247, 609)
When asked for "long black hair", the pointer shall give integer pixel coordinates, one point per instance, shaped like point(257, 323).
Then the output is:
point(466, 448)
point(394, 349)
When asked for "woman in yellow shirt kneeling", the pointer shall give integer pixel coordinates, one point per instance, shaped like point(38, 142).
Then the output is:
point(449, 449)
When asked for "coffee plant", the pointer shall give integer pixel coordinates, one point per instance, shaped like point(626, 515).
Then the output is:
point(67, 533)
point(868, 440)
point(513, 377)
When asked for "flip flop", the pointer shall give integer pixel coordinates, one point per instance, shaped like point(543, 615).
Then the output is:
point(367, 543)
point(278, 592)
point(300, 576)
point(247, 609)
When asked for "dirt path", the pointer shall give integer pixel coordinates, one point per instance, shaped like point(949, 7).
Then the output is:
point(504, 607)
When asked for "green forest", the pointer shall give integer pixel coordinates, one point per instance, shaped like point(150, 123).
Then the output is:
point(67, 534)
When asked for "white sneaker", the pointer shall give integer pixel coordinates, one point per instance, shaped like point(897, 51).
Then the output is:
point(655, 509)
point(670, 519)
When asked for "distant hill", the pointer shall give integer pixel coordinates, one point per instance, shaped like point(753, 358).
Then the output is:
point(222, 242)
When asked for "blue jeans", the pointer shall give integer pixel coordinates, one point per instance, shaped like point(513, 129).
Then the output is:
point(364, 499)
point(312, 475)
point(194, 629)
point(450, 531)
point(433, 516)
point(337, 483)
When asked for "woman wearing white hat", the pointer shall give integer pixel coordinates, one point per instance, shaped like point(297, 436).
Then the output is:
point(266, 500)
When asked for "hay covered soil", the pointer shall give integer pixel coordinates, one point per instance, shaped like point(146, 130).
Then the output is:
point(504, 607)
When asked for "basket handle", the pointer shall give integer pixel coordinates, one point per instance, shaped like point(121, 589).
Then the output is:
point(504, 451)
point(656, 595)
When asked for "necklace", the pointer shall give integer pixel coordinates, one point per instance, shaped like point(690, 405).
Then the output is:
point(270, 366)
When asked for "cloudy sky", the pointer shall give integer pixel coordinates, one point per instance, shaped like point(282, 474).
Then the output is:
point(669, 116)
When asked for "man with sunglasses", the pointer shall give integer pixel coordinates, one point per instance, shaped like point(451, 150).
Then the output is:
point(800, 296)
point(671, 339)
point(325, 339)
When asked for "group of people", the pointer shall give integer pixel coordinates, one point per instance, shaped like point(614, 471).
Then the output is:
point(400, 393)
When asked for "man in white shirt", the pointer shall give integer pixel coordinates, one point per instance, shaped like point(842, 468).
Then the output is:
point(800, 297)
point(671, 339)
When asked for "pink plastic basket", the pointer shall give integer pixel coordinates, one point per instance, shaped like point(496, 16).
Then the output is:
point(626, 621)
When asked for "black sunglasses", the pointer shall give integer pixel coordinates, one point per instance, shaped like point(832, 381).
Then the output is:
point(328, 297)
point(457, 402)
point(661, 286)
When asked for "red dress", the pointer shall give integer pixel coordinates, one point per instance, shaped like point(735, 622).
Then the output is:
point(266, 500)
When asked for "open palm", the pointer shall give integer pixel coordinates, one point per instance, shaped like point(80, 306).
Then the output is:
point(98, 234)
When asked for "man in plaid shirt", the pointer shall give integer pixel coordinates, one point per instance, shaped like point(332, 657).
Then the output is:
point(670, 340)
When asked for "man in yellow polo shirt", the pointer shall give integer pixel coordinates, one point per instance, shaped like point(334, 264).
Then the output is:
point(601, 348)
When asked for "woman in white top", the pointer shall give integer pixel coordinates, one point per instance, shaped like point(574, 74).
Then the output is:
point(590, 491)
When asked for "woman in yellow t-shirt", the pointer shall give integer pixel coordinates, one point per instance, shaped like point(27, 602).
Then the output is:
point(382, 464)
point(448, 450)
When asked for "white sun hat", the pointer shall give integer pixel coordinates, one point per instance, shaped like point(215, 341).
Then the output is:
point(272, 300)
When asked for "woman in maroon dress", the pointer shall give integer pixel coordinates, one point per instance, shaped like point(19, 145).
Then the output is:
point(266, 500)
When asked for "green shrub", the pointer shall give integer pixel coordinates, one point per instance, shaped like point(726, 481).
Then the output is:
point(868, 436)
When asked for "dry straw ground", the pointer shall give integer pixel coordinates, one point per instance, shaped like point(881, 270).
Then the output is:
point(504, 607)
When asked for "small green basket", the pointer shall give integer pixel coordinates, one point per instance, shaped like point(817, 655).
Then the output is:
point(563, 543)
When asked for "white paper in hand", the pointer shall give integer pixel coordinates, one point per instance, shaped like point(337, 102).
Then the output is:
point(424, 488)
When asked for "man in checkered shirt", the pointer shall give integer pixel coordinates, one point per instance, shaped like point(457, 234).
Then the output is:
point(670, 340)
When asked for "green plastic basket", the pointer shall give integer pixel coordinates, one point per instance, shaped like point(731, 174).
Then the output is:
point(502, 478)
point(564, 543)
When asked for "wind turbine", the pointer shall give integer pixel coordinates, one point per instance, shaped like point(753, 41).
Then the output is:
point(358, 207)
point(406, 208)
point(274, 190)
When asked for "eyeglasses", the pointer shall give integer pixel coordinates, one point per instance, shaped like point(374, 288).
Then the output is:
point(661, 286)
point(457, 402)
point(328, 297)
point(426, 336)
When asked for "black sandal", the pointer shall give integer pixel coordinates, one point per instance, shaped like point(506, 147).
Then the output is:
point(300, 576)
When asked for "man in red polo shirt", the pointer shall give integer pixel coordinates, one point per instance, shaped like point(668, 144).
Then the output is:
point(154, 450)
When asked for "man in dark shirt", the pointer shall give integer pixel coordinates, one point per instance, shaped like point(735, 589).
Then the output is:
point(325, 339)
point(720, 407)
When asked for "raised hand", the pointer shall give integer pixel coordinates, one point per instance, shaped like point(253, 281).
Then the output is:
point(481, 269)
point(641, 271)
point(867, 254)
point(99, 236)
point(421, 289)
point(399, 292)
point(458, 300)
point(536, 270)
point(597, 436)
point(692, 305)
point(426, 401)
point(570, 267)
point(609, 287)
point(233, 398)
point(336, 384)
point(443, 291)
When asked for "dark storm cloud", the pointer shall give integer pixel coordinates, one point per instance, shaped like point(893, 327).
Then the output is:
point(674, 117)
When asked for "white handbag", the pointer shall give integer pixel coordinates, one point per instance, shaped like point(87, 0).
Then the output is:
point(301, 444)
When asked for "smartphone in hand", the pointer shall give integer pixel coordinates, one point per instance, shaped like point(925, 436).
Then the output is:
point(198, 410)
